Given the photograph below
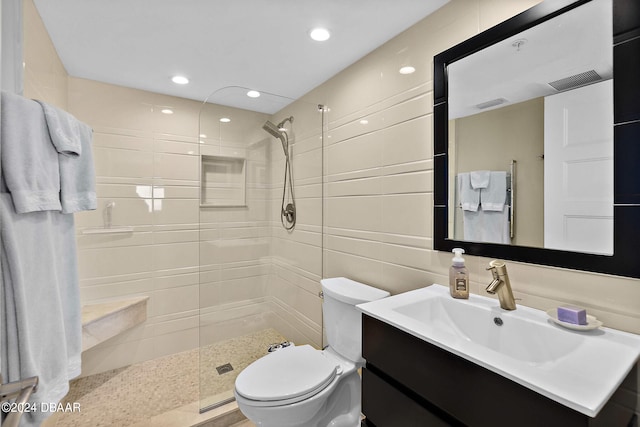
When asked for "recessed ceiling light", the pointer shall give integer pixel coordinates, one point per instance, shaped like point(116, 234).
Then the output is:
point(407, 70)
point(166, 111)
point(253, 94)
point(203, 135)
point(180, 80)
point(225, 119)
point(320, 34)
point(364, 122)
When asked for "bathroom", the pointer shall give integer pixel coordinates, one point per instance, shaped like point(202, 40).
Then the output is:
point(363, 169)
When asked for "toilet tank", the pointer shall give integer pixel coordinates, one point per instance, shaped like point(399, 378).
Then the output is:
point(342, 321)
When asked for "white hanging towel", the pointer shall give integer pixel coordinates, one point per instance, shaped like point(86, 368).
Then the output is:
point(472, 226)
point(29, 160)
point(469, 198)
point(487, 226)
point(72, 140)
point(41, 328)
point(495, 226)
point(479, 179)
point(489, 223)
point(493, 197)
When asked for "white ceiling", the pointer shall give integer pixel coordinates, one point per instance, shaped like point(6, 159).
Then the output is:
point(570, 44)
point(259, 44)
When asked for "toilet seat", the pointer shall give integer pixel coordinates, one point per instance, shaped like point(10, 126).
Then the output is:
point(286, 376)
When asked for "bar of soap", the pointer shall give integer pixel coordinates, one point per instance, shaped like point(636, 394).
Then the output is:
point(575, 315)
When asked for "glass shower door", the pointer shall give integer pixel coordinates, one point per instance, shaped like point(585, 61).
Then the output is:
point(258, 281)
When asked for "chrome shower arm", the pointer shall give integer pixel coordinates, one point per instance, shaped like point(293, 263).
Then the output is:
point(282, 123)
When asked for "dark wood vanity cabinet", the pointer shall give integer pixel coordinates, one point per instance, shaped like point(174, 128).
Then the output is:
point(408, 382)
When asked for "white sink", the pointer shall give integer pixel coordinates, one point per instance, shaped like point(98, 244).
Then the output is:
point(580, 369)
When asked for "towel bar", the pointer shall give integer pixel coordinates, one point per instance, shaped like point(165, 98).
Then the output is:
point(510, 203)
point(512, 199)
point(20, 391)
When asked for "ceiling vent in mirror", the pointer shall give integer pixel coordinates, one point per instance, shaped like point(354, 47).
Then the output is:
point(491, 103)
point(575, 81)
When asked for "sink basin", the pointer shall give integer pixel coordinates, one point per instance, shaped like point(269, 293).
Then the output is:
point(518, 337)
point(580, 369)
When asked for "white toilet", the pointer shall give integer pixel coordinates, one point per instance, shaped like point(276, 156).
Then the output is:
point(302, 386)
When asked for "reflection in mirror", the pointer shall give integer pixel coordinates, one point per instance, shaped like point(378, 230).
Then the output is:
point(531, 136)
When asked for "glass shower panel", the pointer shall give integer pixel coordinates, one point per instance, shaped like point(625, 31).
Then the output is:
point(259, 282)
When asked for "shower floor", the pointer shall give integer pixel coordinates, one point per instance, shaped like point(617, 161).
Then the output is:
point(164, 391)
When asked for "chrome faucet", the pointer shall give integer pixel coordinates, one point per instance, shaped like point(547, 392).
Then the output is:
point(501, 285)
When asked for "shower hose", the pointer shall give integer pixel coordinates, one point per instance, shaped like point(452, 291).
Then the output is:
point(287, 209)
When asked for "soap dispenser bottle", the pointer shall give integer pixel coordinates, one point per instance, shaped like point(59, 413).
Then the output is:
point(458, 276)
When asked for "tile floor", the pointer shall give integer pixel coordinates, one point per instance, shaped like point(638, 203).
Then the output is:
point(164, 392)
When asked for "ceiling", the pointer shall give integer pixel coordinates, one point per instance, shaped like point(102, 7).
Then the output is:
point(257, 44)
point(521, 67)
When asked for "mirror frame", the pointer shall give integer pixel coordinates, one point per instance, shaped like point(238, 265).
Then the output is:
point(625, 260)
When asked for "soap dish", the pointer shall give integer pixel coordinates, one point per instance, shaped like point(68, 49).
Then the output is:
point(592, 322)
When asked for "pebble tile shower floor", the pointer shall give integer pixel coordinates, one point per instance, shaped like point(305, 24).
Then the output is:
point(137, 395)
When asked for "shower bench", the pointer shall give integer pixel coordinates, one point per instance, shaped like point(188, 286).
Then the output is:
point(104, 320)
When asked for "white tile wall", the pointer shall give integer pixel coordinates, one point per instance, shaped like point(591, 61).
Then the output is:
point(378, 175)
point(44, 75)
point(293, 284)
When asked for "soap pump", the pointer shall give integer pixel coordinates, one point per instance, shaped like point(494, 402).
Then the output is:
point(458, 276)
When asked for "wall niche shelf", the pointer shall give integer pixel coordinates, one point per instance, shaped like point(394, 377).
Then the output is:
point(223, 181)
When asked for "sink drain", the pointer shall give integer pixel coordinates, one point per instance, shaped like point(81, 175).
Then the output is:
point(498, 321)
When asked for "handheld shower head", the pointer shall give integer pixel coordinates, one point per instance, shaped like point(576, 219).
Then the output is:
point(277, 133)
point(272, 129)
point(288, 206)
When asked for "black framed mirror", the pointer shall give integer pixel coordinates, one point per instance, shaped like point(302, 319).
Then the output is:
point(622, 257)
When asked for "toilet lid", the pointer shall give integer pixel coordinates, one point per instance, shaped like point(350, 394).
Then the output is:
point(292, 372)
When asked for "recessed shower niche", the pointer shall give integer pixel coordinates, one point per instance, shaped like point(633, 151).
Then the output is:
point(223, 181)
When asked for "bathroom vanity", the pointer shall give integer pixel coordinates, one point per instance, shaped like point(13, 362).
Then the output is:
point(436, 361)
point(408, 382)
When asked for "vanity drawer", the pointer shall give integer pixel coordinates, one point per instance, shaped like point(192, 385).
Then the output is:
point(386, 406)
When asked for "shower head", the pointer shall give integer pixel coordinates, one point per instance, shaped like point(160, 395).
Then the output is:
point(277, 133)
point(272, 129)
